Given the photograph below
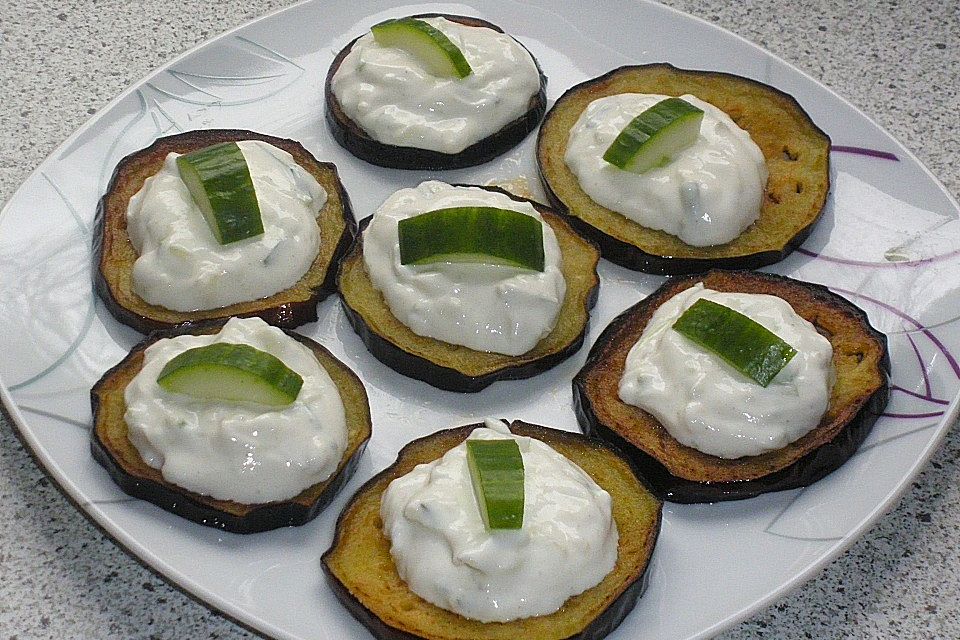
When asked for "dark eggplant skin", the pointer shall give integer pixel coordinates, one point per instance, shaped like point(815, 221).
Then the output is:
point(838, 441)
point(618, 601)
point(114, 254)
point(354, 139)
point(112, 450)
point(629, 256)
point(447, 378)
point(399, 356)
point(799, 170)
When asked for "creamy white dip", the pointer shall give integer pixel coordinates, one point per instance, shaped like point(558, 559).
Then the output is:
point(244, 452)
point(392, 97)
point(709, 194)
point(485, 307)
point(181, 266)
point(445, 554)
point(705, 403)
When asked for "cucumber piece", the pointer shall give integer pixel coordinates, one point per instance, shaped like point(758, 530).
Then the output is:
point(496, 471)
point(656, 136)
point(427, 44)
point(741, 342)
point(232, 373)
point(472, 234)
point(219, 182)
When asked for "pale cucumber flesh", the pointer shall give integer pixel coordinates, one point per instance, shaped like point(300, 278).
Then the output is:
point(231, 373)
point(486, 235)
point(740, 341)
point(656, 136)
point(219, 181)
point(430, 46)
point(496, 472)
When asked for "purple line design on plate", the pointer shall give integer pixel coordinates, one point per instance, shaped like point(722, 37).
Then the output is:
point(883, 155)
point(863, 151)
point(928, 390)
point(926, 396)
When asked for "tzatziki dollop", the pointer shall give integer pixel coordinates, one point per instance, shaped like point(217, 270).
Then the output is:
point(182, 267)
point(243, 452)
point(707, 195)
point(705, 403)
point(396, 101)
point(484, 307)
point(445, 554)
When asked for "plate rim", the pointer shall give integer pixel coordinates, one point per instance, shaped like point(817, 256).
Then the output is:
point(196, 592)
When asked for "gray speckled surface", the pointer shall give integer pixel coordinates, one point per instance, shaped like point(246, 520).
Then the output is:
point(61, 61)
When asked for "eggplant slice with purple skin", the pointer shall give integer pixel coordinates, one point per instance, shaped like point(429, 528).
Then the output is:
point(455, 367)
point(354, 139)
point(113, 450)
point(115, 254)
point(361, 571)
point(797, 155)
point(683, 474)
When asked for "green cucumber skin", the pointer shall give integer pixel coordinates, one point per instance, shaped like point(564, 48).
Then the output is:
point(497, 475)
point(655, 136)
point(469, 234)
point(231, 372)
point(738, 340)
point(420, 38)
point(219, 180)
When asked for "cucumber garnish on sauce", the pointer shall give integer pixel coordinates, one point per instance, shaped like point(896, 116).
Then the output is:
point(656, 136)
point(219, 182)
point(472, 234)
point(233, 373)
point(439, 56)
point(496, 471)
point(741, 342)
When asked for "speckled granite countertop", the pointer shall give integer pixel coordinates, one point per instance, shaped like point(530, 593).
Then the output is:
point(61, 61)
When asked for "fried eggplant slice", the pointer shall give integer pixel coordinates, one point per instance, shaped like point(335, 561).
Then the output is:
point(684, 474)
point(796, 151)
point(115, 254)
point(112, 448)
point(358, 142)
point(361, 571)
point(455, 367)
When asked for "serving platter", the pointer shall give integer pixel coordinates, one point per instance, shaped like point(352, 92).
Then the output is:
point(886, 241)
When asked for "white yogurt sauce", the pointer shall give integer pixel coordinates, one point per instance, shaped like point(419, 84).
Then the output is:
point(709, 194)
point(442, 550)
point(181, 266)
point(485, 307)
point(392, 97)
point(244, 452)
point(705, 403)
